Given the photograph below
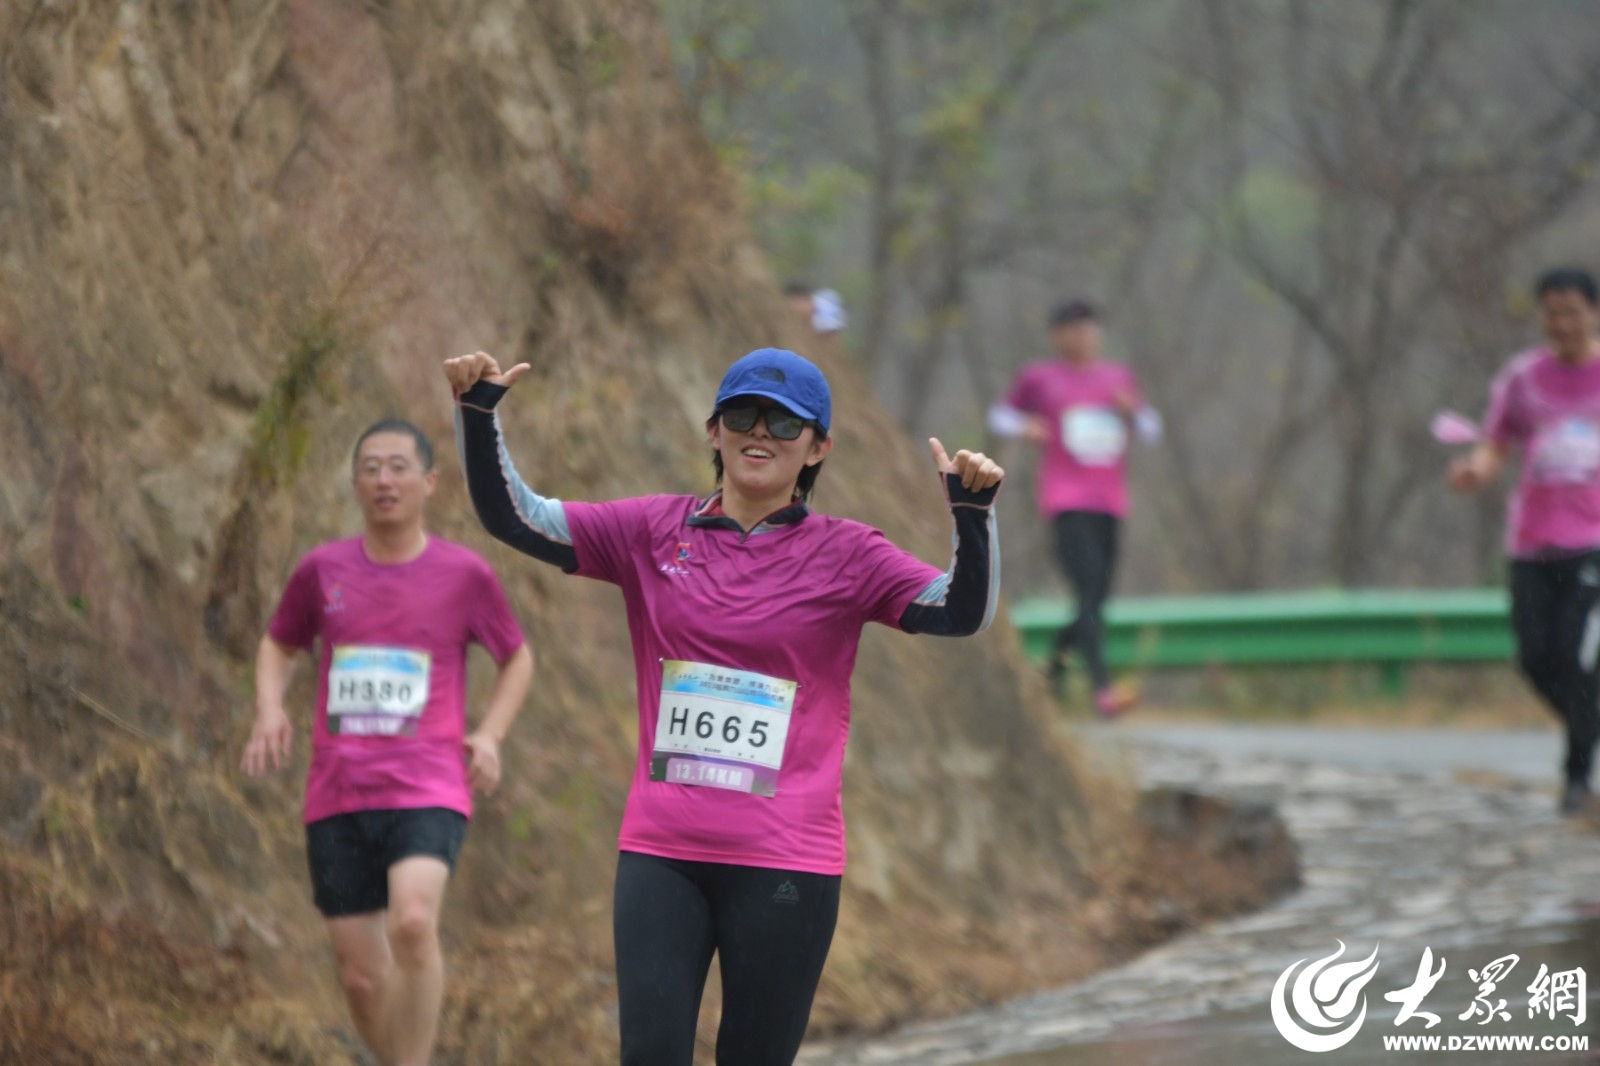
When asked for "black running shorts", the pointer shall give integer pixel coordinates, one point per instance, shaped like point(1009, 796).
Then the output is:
point(350, 854)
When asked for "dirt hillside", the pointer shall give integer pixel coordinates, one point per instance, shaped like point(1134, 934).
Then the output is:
point(234, 233)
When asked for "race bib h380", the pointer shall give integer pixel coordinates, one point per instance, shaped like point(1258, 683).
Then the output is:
point(377, 692)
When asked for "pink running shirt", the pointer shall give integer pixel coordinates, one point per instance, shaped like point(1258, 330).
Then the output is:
point(710, 604)
point(1084, 464)
point(1550, 413)
point(392, 671)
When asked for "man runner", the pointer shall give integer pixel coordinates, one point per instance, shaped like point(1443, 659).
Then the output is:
point(1546, 405)
point(392, 767)
point(1078, 408)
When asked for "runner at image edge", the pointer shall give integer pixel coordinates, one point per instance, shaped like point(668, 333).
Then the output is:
point(1545, 407)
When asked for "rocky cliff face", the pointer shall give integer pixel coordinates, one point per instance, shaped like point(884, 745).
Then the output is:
point(232, 234)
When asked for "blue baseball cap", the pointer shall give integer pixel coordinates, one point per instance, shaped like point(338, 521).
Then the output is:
point(782, 376)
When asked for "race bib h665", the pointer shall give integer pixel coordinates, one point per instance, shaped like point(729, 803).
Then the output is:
point(721, 728)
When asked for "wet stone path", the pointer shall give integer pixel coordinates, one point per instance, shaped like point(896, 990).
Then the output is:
point(1405, 857)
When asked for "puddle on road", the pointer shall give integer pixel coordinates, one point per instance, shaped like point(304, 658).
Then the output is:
point(1248, 1037)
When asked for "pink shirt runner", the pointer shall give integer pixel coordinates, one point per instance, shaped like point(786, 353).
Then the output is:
point(1084, 464)
point(384, 631)
point(751, 613)
point(1550, 412)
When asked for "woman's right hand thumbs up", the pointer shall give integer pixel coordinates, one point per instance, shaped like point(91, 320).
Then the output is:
point(467, 370)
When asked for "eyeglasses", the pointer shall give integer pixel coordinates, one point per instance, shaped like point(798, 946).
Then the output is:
point(781, 423)
point(371, 469)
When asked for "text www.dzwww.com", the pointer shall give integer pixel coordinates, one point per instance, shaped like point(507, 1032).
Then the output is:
point(1419, 1042)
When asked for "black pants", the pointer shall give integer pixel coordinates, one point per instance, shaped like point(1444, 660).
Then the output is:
point(1555, 610)
point(771, 929)
point(1086, 546)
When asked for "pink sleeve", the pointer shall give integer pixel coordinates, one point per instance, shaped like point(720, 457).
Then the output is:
point(1021, 396)
point(606, 536)
point(297, 621)
point(494, 624)
point(1505, 423)
point(890, 579)
point(1135, 387)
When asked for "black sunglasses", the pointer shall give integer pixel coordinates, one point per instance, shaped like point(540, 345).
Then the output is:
point(782, 424)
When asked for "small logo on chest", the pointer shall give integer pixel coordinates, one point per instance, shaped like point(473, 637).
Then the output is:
point(334, 599)
point(676, 566)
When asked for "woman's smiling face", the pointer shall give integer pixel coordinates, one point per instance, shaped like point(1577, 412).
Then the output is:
point(755, 464)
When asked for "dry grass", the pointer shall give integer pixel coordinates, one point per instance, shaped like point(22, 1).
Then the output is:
point(78, 986)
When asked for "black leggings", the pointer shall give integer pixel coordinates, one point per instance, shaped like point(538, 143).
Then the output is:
point(771, 929)
point(1086, 546)
point(1555, 610)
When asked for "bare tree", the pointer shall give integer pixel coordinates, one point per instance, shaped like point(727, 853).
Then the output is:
point(1394, 149)
point(1307, 222)
point(943, 80)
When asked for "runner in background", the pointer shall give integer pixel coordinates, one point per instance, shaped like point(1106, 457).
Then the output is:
point(1079, 409)
point(822, 310)
point(1545, 406)
point(798, 295)
point(392, 766)
point(827, 314)
point(746, 610)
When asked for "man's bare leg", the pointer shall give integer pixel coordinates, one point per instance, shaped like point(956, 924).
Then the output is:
point(416, 991)
point(366, 970)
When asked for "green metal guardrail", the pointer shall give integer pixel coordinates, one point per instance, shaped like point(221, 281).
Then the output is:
point(1392, 629)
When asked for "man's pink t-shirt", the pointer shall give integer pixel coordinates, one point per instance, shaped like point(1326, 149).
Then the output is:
point(738, 624)
point(1550, 412)
point(391, 694)
point(1084, 464)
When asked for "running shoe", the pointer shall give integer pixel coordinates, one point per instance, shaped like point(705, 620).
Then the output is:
point(1113, 701)
point(1577, 799)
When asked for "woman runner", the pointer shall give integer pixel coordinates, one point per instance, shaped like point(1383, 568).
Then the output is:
point(1078, 408)
point(746, 608)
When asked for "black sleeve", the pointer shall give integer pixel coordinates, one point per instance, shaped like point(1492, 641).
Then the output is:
point(508, 509)
point(962, 601)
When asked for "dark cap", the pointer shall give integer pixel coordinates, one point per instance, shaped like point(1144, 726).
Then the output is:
point(1073, 311)
point(781, 376)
